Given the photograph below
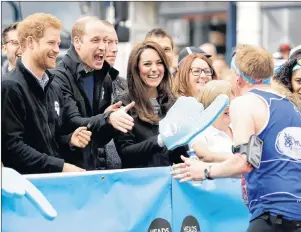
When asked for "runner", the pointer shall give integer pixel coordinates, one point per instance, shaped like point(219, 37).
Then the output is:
point(272, 169)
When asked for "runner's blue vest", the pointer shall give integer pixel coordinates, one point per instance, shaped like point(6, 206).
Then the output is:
point(276, 186)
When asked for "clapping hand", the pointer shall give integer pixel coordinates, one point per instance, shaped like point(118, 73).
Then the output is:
point(81, 137)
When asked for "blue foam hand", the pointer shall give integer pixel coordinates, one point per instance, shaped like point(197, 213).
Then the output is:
point(187, 118)
point(16, 185)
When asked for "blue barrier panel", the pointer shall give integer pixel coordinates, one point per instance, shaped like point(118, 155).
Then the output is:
point(214, 206)
point(117, 201)
point(129, 201)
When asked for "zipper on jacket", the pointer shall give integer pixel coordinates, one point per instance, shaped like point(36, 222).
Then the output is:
point(52, 139)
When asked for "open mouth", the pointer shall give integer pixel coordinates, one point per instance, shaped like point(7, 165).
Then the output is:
point(99, 57)
point(18, 54)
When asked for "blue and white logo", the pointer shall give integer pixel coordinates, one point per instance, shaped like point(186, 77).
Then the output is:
point(288, 142)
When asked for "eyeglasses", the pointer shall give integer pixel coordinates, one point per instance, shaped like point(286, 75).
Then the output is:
point(198, 71)
point(13, 42)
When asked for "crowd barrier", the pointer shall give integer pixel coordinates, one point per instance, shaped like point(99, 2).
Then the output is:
point(134, 200)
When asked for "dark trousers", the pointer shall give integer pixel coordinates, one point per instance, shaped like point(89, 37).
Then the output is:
point(268, 223)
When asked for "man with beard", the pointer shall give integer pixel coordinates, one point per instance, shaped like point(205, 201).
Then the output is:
point(83, 75)
point(32, 105)
point(10, 46)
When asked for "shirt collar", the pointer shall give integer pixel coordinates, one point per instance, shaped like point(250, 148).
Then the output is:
point(42, 81)
point(84, 68)
point(87, 69)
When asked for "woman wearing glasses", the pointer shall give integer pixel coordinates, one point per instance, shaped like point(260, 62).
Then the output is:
point(194, 71)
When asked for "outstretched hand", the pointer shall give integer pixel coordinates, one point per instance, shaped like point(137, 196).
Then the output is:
point(121, 120)
point(114, 107)
point(189, 170)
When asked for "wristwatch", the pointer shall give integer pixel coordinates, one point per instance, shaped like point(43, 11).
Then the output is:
point(207, 173)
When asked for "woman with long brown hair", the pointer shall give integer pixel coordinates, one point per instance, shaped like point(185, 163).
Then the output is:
point(149, 87)
point(194, 71)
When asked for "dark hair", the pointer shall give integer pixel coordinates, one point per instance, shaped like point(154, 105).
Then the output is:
point(11, 27)
point(159, 32)
point(137, 90)
point(284, 76)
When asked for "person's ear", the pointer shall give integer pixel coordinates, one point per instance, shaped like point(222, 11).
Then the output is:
point(77, 42)
point(30, 42)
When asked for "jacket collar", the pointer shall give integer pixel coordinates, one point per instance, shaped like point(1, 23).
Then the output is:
point(30, 79)
point(76, 66)
point(114, 73)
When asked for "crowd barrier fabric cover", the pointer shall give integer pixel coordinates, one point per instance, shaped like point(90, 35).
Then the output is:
point(137, 200)
point(119, 201)
point(214, 206)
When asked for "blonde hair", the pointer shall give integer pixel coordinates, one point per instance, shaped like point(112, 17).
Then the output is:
point(34, 25)
point(211, 91)
point(181, 85)
point(227, 75)
point(255, 62)
point(78, 28)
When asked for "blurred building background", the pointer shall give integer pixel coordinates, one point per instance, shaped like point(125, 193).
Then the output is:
point(224, 24)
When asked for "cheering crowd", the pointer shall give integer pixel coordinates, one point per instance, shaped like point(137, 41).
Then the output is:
point(79, 114)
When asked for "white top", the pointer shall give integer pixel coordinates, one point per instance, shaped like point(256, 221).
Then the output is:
point(216, 140)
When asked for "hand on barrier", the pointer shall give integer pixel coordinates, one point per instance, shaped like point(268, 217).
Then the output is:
point(16, 185)
point(72, 168)
point(187, 118)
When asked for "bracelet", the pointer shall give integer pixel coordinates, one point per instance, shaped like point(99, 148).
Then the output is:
point(207, 173)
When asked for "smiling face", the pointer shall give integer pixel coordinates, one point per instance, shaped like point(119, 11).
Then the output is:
point(296, 82)
point(11, 47)
point(46, 49)
point(199, 75)
point(151, 68)
point(92, 47)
